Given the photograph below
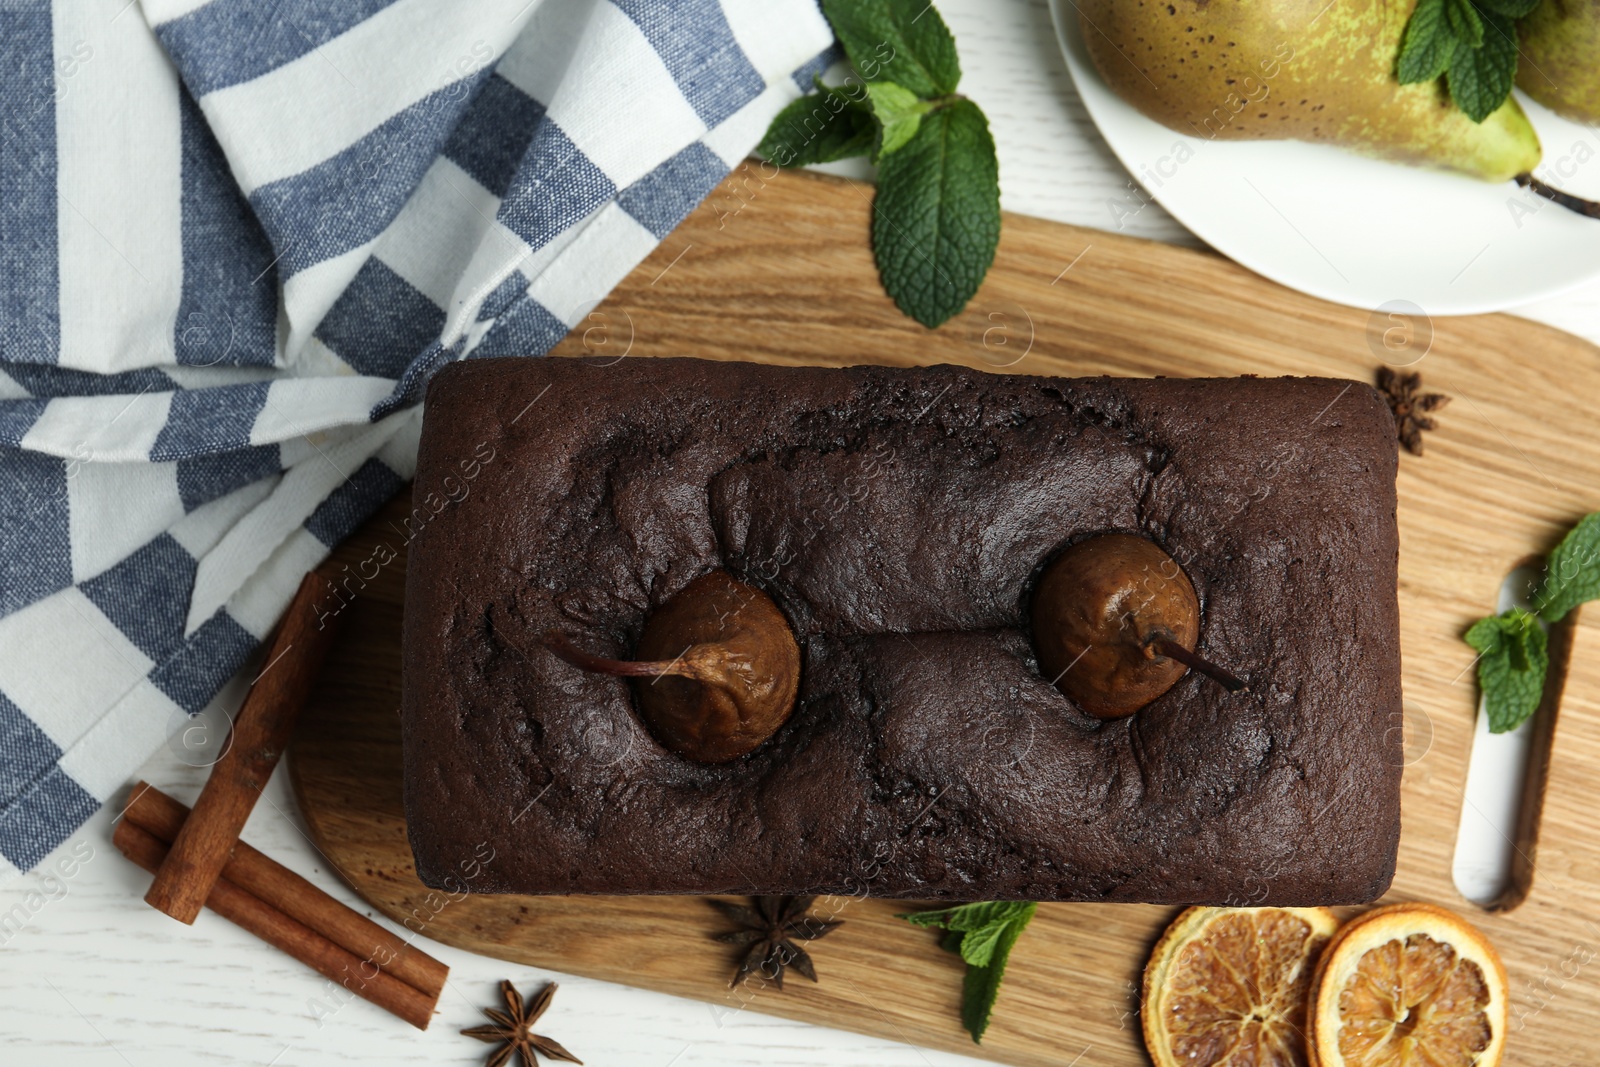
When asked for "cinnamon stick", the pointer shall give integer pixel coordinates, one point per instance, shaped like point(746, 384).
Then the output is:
point(279, 930)
point(259, 735)
point(279, 887)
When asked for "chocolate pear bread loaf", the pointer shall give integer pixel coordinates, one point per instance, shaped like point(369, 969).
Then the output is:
point(682, 626)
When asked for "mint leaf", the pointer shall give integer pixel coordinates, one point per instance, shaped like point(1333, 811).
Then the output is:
point(1514, 655)
point(936, 219)
point(1472, 42)
point(899, 113)
point(1511, 9)
point(982, 984)
point(900, 41)
point(939, 920)
point(1480, 78)
point(1572, 573)
point(1428, 44)
point(972, 916)
point(983, 933)
point(820, 128)
point(1465, 22)
point(1514, 658)
point(977, 946)
point(986, 913)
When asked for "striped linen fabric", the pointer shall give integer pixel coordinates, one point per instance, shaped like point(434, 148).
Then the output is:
point(236, 239)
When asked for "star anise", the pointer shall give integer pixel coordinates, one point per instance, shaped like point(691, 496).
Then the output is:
point(514, 1026)
point(770, 929)
point(1410, 406)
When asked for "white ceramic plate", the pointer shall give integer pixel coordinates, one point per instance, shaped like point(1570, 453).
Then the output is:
point(1355, 230)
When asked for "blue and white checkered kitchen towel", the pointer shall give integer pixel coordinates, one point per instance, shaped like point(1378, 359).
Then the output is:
point(236, 238)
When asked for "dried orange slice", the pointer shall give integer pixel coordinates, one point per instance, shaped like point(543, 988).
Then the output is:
point(1409, 985)
point(1226, 987)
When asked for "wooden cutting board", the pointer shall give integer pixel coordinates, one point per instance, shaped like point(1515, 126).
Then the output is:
point(777, 269)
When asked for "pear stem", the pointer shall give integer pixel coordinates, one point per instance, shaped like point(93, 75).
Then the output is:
point(557, 642)
point(1165, 646)
point(1588, 208)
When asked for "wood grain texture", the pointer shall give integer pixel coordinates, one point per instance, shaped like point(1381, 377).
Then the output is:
point(778, 270)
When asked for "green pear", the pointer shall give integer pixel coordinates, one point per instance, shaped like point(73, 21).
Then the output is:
point(1305, 70)
point(1560, 64)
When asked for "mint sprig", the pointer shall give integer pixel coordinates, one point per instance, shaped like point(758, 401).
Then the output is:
point(983, 934)
point(1512, 663)
point(1472, 44)
point(936, 216)
point(1513, 648)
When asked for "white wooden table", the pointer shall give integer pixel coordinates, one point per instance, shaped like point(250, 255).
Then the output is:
point(97, 978)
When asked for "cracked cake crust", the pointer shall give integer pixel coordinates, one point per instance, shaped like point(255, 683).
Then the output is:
point(899, 518)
